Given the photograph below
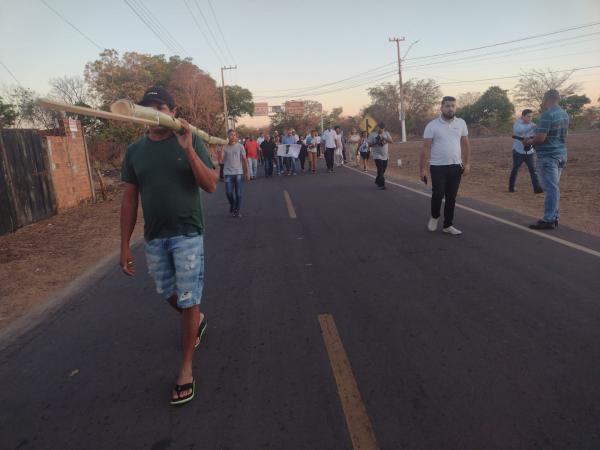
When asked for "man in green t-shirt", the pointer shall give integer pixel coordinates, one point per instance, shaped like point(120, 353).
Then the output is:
point(165, 170)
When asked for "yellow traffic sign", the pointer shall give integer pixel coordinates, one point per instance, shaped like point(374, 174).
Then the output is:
point(367, 123)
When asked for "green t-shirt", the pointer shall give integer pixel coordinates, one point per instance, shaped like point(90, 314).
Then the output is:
point(168, 189)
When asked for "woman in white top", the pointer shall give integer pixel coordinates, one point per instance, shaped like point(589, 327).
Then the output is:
point(352, 144)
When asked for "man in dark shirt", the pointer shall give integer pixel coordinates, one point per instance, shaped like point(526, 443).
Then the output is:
point(166, 169)
point(267, 147)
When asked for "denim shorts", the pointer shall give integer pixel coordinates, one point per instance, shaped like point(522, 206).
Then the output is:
point(177, 266)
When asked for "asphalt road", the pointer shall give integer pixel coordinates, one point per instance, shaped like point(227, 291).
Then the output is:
point(490, 340)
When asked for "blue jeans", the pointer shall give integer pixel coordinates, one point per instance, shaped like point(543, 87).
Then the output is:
point(290, 164)
point(177, 266)
point(252, 166)
point(549, 170)
point(233, 189)
point(530, 160)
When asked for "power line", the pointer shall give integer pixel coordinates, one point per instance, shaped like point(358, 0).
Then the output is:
point(394, 73)
point(481, 57)
point(159, 26)
point(172, 47)
point(202, 31)
point(535, 36)
point(89, 39)
point(209, 29)
point(503, 53)
point(221, 31)
point(575, 69)
point(300, 91)
point(10, 73)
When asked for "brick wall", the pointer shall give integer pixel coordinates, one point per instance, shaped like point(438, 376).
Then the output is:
point(69, 167)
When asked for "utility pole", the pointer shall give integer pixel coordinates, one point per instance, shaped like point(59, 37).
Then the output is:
point(225, 96)
point(401, 105)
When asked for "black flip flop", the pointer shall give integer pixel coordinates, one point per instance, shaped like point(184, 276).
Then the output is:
point(201, 332)
point(179, 388)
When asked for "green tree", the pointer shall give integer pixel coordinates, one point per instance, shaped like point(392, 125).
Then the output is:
point(574, 104)
point(113, 77)
point(239, 101)
point(8, 114)
point(493, 109)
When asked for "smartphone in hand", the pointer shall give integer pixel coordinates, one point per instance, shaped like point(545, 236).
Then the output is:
point(424, 179)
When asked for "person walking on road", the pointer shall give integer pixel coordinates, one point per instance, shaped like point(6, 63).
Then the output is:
point(289, 161)
point(339, 147)
point(550, 142)
point(378, 142)
point(443, 140)
point(328, 140)
point(312, 144)
point(251, 147)
point(166, 169)
point(363, 149)
point(303, 151)
point(235, 170)
point(352, 145)
point(524, 128)
point(268, 149)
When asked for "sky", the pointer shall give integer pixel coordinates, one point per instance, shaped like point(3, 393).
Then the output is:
point(287, 50)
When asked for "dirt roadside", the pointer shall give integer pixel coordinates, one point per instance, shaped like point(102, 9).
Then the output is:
point(39, 259)
point(491, 164)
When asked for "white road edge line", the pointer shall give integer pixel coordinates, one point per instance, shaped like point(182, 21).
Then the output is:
point(564, 242)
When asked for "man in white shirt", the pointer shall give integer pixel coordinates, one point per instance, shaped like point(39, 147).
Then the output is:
point(443, 141)
point(328, 139)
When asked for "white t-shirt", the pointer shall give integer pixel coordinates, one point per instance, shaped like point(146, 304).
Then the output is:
point(446, 136)
point(329, 138)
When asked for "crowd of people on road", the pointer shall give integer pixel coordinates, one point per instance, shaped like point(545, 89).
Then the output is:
point(167, 170)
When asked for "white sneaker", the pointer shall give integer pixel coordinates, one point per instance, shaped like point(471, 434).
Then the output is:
point(432, 224)
point(453, 231)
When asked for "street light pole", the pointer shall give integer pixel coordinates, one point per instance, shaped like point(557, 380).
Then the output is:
point(400, 105)
point(226, 113)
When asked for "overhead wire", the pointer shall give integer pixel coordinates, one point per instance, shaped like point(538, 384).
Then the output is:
point(163, 30)
point(221, 31)
point(67, 21)
point(171, 46)
point(216, 42)
point(10, 73)
point(202, 31)
point(300, 91)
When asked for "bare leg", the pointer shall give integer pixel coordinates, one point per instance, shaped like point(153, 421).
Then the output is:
point(190, 318)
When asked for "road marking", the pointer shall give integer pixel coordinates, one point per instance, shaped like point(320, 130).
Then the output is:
point(290, 206)
point(357, 420)
point(558, 240)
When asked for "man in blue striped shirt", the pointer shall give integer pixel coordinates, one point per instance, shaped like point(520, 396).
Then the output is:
point(550, 143)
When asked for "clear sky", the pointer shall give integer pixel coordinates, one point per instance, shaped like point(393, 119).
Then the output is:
point(284, 48)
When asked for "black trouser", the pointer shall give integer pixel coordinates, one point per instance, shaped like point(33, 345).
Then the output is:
point(445, 181)
point(530, 160)
point(344, 153)
point(381, 166)
point(302, 158)
point(318, 150)
point(329, 157)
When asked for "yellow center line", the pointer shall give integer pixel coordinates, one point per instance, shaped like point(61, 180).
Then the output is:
point(357, 420)
point(290, 206)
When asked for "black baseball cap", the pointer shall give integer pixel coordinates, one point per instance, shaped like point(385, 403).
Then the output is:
point(157, 94)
